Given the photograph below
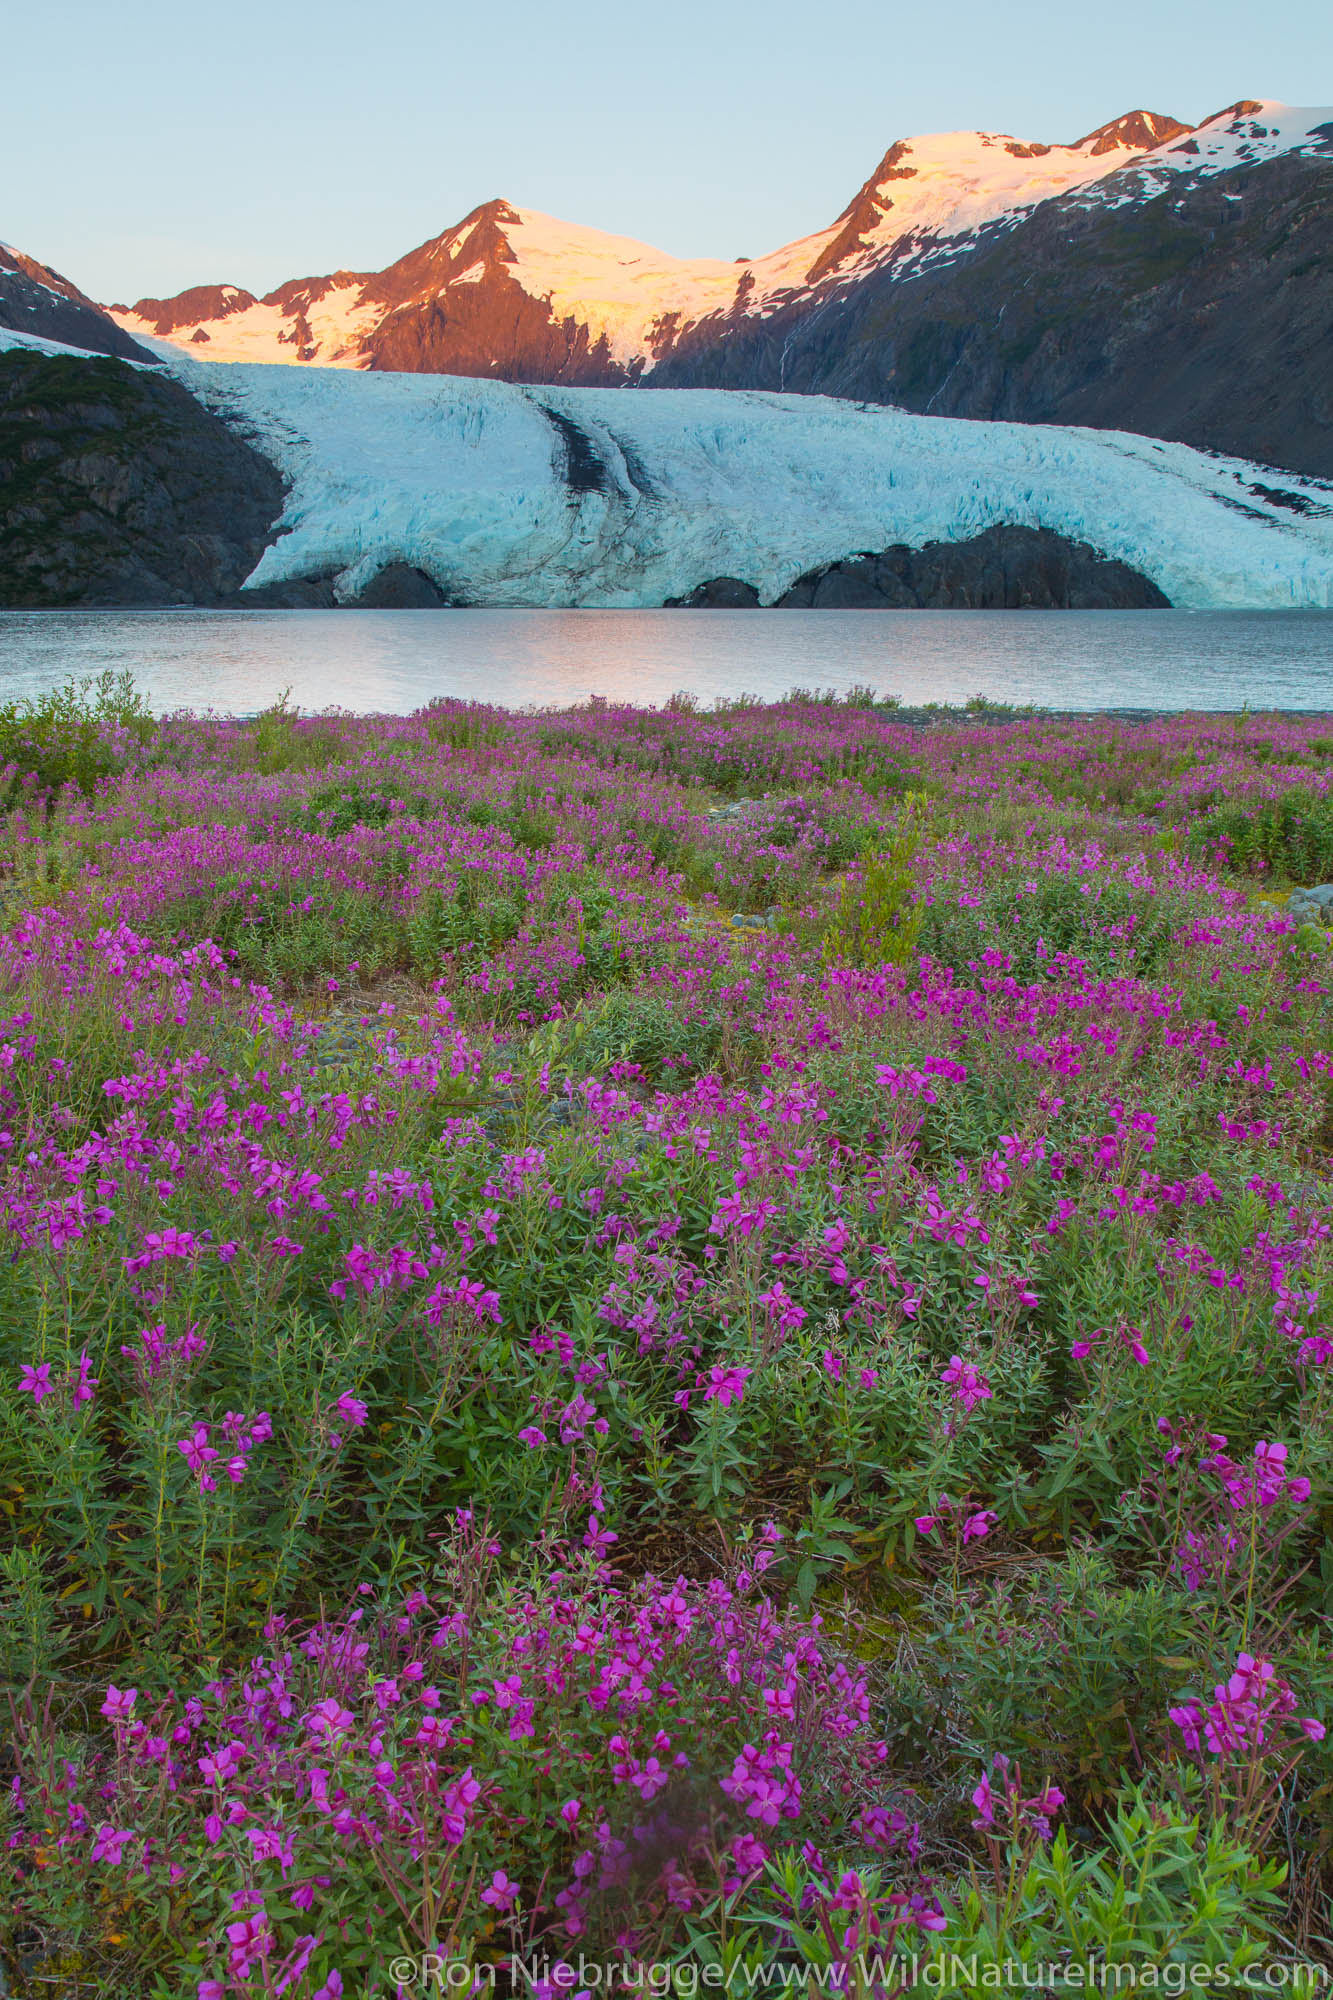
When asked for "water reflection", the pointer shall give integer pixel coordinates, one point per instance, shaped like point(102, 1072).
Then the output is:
point(394, 661)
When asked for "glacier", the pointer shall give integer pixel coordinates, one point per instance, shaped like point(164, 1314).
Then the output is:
point(512, 495)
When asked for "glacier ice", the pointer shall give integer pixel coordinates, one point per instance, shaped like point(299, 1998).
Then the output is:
point(471, 482)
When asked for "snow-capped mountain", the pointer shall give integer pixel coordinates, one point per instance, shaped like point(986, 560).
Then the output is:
point(519, 295)
point(1150, 282)
point(1187, 294)
point(1151, 277)
point(36, 300)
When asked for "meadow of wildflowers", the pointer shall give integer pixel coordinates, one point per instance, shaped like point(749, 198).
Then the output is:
point(683, 1338)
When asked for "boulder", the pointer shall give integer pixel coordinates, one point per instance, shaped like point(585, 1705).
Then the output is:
point(719, 593)
point(1003, 569)
point(1311, 905)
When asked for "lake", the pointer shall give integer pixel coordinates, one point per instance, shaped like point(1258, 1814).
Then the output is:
point(393, 661)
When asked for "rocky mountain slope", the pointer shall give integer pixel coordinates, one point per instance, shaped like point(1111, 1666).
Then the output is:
point(1200, 310)
point(1149, 276)
point(36, 300)
point(118, 487)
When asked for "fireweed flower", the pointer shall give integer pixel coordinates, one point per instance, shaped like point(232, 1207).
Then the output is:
point(1261, 1484)
point(250, 1940)
point(109, 1844)
point(726, 1385)
point(199, 1455)
point(968, 1524)
point(35, 1381)
point(1045, 1034)
point(1246, 1715)
point(118, 1703)
point(500, 1893)
point(1129, 1337)
point(1001, 1807)
point(967, 1382)
point(83, 1382)
point(782, 1309)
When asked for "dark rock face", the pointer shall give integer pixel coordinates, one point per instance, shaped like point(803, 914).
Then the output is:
point(200, 302)
point(35, 299)
point(302, 593)
point(117, 487)
point(720, 593)
point(1201, 314)
point(495, 330)
point(398, 587)
point(1142, 129)
point(1005, 569)
point(487, 326)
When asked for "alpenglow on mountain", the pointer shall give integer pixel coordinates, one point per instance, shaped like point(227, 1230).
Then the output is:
point(517, 293)
point(1136, 326)
point(1150, 276)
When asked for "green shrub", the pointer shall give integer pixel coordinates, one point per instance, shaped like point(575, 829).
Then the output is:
point(336, 809)
point(1160, 1894)
point(1110, 924)
point(78, 735)
point(1291, 836)
point(650, 1029)
point(876, 922)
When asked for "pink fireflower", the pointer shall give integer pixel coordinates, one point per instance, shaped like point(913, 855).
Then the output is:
point(36, 1381)
point(726, 1385)
point(967, 1382)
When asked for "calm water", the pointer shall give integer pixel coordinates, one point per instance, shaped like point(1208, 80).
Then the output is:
point(396, 660)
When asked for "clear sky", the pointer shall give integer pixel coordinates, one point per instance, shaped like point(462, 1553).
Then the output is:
point(147, 146)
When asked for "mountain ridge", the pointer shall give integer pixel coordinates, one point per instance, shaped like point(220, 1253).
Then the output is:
point(1151, 276)
point(629, 296)
point(604, 309)
point(38, 301)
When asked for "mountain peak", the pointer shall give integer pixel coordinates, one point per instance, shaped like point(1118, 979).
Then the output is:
point(37, 301)
point(201, 302)
point(1244, 107)
point(1137, 132)
point(509, 290)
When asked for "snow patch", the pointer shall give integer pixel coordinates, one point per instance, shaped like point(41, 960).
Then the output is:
point(331, 334)
point(10, 337)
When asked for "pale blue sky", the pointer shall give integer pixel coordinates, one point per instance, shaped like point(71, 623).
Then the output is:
point(147, 146)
